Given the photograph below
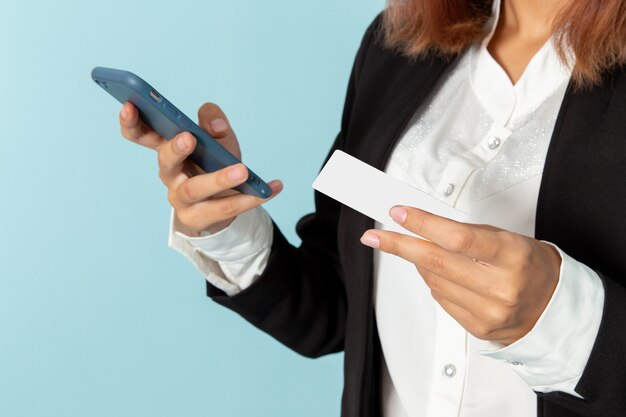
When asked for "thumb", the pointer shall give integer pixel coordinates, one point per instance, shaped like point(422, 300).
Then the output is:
point(212, 119)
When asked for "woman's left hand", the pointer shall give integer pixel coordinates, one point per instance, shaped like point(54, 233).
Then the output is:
point(494, 283)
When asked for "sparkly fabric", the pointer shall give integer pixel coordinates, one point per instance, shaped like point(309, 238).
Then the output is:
point(524, 154)
point(429, 145)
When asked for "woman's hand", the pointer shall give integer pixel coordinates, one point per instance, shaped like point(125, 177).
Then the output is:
point(495, 283)
point(202, 202)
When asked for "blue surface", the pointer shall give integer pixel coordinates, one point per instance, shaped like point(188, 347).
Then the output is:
point(98, 317)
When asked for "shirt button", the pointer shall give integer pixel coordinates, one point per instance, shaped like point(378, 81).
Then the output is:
point(449, 370)
point(447, 192)
point(494, 143)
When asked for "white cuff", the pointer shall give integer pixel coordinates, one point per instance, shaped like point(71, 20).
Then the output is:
point(233, 258)
point(553, 355)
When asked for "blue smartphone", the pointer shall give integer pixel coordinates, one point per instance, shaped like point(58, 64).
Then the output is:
point(162, 116)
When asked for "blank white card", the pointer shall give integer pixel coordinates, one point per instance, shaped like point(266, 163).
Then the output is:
point(373, 192)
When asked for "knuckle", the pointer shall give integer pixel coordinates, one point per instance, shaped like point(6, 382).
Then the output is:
point(505, 238)
point(511, 297)
point(172, 198)
point(396, 247)
point(126, 134)
point(437, 296)
point(187, 193)
point(494, 250)
point(419, 221)
point(434, 262)
point(129, 130)
point(462, 241)
point(481, 331)
point(523, 255)
point(393, 246)
point(162, 177)
point(433, 283)
point(497, 316)
point(185, 217)
point(161, 156)
point(390, 245)
point(193, 218)
point(222, 179)
point(227, 208)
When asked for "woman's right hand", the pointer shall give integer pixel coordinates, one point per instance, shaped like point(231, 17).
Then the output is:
point(201, 201)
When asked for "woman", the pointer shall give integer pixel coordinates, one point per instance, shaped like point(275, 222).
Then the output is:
point(510, 111)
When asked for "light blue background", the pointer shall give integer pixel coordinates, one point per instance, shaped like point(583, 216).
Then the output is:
point(98, 317)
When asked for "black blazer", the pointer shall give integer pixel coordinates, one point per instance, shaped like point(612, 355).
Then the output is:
point(317, 298)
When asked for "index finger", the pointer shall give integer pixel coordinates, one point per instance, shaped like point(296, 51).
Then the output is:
point(475, 242)
point(136, 130)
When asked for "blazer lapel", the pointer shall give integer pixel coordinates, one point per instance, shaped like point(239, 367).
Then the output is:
point(394, 93)
point(390, 93)
point(583, 150)
point(390, 96)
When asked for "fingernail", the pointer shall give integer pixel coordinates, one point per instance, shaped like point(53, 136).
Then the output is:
point(124, 113)
point(370, 240)
point(219, 125)
point(182, 143)
point(399, 214)
point(235, 174)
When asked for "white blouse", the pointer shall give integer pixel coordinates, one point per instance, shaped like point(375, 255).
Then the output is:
point(478, 143)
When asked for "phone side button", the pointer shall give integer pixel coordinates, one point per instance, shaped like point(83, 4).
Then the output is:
point(171, 109)
point(184, 121)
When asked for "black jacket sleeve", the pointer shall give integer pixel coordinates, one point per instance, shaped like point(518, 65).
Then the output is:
point(300, 298)
point(604, 378)
point(581, 209)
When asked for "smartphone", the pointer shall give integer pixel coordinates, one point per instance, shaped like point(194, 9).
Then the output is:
point(162, 116)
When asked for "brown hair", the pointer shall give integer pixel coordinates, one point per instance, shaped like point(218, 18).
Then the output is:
point(595, 31)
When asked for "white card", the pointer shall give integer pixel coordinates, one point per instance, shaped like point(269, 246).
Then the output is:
point(373, 192)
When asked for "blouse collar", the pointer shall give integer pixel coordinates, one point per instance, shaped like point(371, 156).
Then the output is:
point(492, 86)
